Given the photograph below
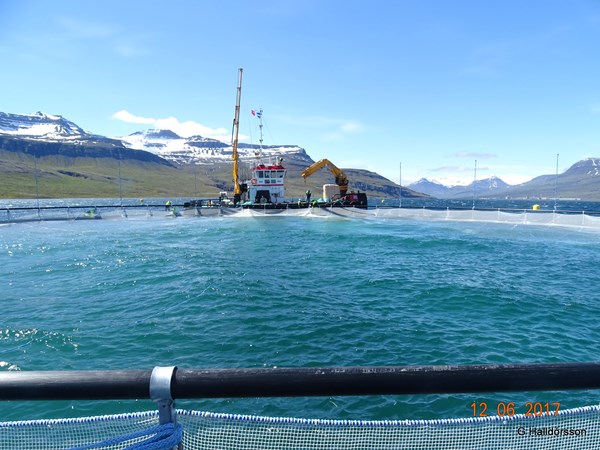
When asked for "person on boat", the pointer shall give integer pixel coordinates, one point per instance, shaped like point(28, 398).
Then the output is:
point(168, 205)
point(90, 213)
point(308, 194)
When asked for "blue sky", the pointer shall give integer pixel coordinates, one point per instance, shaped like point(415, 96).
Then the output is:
point(429, 86)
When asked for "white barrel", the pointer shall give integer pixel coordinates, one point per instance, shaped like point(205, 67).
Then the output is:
point(330, 191)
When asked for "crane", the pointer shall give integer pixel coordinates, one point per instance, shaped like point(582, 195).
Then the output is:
point(340, 177)
point(237, 188)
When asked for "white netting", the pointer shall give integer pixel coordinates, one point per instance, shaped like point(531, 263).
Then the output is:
point(579, 220)
point(573, 429)
point(522, 216)
point(72, 433)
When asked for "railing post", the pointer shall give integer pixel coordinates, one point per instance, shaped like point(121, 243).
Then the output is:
point(160, 392)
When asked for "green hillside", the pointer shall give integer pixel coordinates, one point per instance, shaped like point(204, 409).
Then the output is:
point(60, 176)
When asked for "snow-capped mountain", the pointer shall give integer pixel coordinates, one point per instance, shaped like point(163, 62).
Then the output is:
point(490, 184)
point(439, 190)
point(198, 149)
point(163, 143)
point(430, 187)
point(52, 135)
point(39, 126)
point(586, 167)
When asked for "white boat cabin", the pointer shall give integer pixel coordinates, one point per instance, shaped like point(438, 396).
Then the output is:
point(267, 184)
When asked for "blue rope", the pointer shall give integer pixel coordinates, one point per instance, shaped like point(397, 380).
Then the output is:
point(161, 437)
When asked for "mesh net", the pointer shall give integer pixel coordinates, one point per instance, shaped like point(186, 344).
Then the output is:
point(570, 429)
point(529, 217)
point(579, 220)
point(73, 433)
point(515, 217)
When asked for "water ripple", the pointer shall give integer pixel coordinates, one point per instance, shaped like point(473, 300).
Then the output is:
point(299, 293)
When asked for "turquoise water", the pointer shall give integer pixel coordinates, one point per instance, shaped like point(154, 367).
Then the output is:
point(296, 292)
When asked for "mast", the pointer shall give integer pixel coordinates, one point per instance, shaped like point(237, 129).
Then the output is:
point(474, 183)
point(260, 126)
point(556, 184)
point(400, 184)
point(258, 154)
point(237, 189)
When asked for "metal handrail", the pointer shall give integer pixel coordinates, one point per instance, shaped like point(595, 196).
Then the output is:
point(300, 382)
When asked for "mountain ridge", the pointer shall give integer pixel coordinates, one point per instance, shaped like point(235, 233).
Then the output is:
point(580, 181)
point(63, 144)
point(54, 141)
point(485, 186)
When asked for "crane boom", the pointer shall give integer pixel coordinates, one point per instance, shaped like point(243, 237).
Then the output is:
point(237, 190)
point(340, 177)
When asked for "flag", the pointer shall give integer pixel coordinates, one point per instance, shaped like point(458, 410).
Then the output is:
point(257, 114)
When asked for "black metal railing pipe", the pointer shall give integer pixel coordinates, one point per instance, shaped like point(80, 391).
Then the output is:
point(300, 382)
point(75, 385)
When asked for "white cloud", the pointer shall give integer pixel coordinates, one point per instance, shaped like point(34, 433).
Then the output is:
point(351, 127)
point(126, 116)
point(129, 50)
point(183, 129)
point(190, 128)
point(460, 169)
point(514, 178)
point(117, 41)
point(86, 30)
point(475, 155)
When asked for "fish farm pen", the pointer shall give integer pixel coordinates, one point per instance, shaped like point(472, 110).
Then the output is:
point(587, 219)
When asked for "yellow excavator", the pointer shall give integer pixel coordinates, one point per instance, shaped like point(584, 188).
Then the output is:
point(340, 177)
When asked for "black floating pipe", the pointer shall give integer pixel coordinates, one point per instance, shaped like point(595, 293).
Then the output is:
point(384, 380)
point(301, 382)
point(75, 385)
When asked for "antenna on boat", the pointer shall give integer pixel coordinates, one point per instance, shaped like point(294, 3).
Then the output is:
point(556, 184)
point(260, 127)
point(37, 185)
point(259, 114)
point(474, 183)
point(400, 184)
point(237, 189)
point(120, 182)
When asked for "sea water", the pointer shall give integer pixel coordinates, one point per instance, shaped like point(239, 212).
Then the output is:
point(254, 292)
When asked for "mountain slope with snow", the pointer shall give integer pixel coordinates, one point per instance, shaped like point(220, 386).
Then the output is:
point(43, 134)
point(39, 126)
point(200, 150)
point(154, 162)
point(581, 181)
point(46, 135)
point(485, 187)
point(430, 187)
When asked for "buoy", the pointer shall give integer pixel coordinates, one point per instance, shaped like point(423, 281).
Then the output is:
point(536, 207)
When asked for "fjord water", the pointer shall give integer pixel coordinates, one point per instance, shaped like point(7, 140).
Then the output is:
point(232, 292)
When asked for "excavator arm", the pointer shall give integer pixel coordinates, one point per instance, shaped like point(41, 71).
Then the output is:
point(340, 177)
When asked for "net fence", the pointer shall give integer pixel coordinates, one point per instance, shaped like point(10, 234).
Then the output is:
point(571, 429)
point(574, 219)
point(527, 217)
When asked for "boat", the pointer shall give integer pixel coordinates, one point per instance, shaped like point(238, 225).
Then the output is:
point(264, 189)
